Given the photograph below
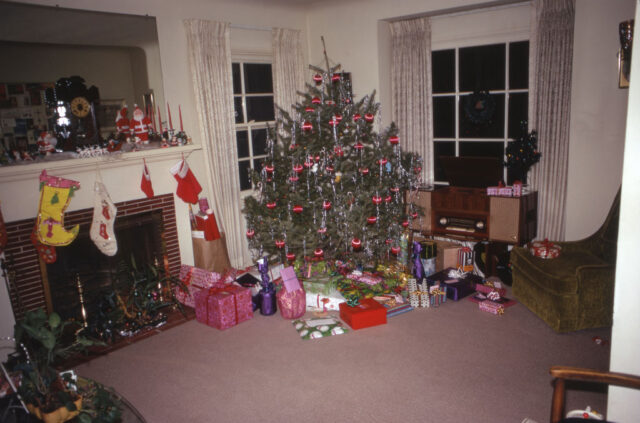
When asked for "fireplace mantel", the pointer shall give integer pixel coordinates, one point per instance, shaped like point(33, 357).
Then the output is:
point(32, 170)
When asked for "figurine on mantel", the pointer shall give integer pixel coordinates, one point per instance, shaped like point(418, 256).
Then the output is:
point(46, 143)
point(140, 125)
point(123, 131)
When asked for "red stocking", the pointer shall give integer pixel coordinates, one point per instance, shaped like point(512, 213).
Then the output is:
point(145, 184)
point(188, 186)
point(47, 252)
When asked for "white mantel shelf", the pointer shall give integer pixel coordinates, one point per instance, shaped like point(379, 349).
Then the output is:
point(18, 172)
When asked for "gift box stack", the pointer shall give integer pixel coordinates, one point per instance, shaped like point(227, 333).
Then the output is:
point(418, 298)
point(504, 191)
point(223, 306)
point(195, 280)
point(490, 297)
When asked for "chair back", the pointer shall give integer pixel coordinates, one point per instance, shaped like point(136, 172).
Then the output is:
point(606, 237)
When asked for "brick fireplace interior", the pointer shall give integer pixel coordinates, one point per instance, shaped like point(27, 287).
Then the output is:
point(145, 228)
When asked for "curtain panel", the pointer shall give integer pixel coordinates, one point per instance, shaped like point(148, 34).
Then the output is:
point(288, 67)
point(210, 63)
point(411, 88)
point(550, 109)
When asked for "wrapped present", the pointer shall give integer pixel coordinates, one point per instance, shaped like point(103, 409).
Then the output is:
point(503, 301)
point(437, 295)
point(364, 277)
point(291, 298)
point(324, 302)
point(290, 281)
point(491, 307)
point(517, 189)
point(319, 328)
point(223, 307)
point(310, 267)
point(321, 285)
point(394, 304)
point(488, 287)
point(544, 249)
point(465, 259)
point(195, 279)
point(459, 284)
point(366, 314)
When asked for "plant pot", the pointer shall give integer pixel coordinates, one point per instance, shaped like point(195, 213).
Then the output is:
point(60, 415)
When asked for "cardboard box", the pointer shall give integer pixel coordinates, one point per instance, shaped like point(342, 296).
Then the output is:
point(366, 314)
point(447, 255)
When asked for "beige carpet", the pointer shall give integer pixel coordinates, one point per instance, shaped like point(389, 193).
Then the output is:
point(450, 364)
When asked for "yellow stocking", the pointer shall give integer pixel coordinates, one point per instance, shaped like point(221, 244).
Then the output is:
point(55, 194)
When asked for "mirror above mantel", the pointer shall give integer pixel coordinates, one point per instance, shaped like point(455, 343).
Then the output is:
point(116, 53)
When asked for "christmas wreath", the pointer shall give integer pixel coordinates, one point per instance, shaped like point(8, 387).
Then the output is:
point(479, 107)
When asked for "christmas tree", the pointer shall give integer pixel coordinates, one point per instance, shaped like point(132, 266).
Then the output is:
point(331, 186)
point(522, 154)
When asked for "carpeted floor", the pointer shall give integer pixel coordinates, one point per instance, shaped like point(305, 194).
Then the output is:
point(450, 364)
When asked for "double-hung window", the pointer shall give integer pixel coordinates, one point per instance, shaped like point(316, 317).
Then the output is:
point(480, 99)
point(254, 110)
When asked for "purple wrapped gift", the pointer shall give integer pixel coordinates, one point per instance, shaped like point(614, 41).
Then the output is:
point(457, 288)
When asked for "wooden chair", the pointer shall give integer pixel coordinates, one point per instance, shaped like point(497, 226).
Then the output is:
point(561, 374)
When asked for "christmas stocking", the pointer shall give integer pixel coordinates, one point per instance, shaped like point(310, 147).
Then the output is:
point(55, 194)
point(104, 215)
point(145, 184)
point(188, 186)
point(47, 252)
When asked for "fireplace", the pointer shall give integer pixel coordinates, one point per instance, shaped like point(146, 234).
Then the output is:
point(145, 228)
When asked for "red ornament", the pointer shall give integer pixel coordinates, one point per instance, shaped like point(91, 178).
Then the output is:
point(294, 178)
point(335, 77)
point(329, 168)
point(318, 78)
point(338, 118)
point(387, 199)
point(317, 159)
point(298, 168)
point(394, 189)
point(297, 209)
point(330, 102)
point(308, 163)
point(405, 223)
point(318, 252)
point(417, 169)
point(376, 199)
point(368, 117)
point(388, 241)
point(322, 230)
point(333, 122)
point(414, 215)
point(364, 171)
point(395, 250)
point(279, 243)
point(338, 150)
point(271, 205)
point(382, 161)
point(293, 146)
point(394, 140)
point(291, 256)
point(358, 146)
point(356, 117)
point(309, 109)
point(269, 168)
point(250, 233)
point(315, 100)
point(356, 243)
point(371, 220)
point(326, 205)
point(307, 126)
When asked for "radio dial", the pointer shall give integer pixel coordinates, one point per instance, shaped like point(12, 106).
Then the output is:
point(444, 221)
point(479, 225)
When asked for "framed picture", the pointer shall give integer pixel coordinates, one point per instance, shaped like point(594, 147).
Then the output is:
point(106, 113)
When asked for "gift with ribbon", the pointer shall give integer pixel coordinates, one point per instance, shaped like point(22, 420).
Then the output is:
point(544, 249)
point(224, 306)
point(437, 295)
point(491, 307)
point(367, 313)
point(194, 279)
point(459, 284)
point(488, 287)
point(291, 298)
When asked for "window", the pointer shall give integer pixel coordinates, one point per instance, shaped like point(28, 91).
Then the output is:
point(254, 109)
point(480, 98)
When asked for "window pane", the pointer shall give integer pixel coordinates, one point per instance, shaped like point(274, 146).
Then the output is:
point(259, 141)
point(260, 109)
point(441, 148)
point(242, 140)
point(243, 173)
point(482, 67)
point(478, 120)
point(257, 78)
point(237, 84)
point(518, 113)
point(237, 103)
point(519, 65)
point(257, 164)
point(444, 117)
point(482, 149)
point(443, 70)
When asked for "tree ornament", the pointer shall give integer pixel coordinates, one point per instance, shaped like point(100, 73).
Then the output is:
point(388, 199)
point(333, 122)
point(395, 250)
point(372, 220)
point(381, 162)
point(417, 170)
point(298, 168)
point(359, 146)
point(271, 205)
point(414, 215)
point(330, 102)
point(298, 209)
point(338, 151)
point(308, 163)
point(307, 126)
point(318, 252)
point(294, 178)
point(322, 230)
point(338, 118)
point(394, 189)
point(250, 233)
point(405, 223)
point(376, 199)
point(356, 243)
point(368, 117)
point(291, 257)
point(329, 168)
point(316, 100)
point(335, 77)
point(279, 243)
point(309, 109)
point(338, 177)
point(357, 117)
point(394, 140)
point(317, 78)
point(364, 171)
point(326, 205)
point(269, 168)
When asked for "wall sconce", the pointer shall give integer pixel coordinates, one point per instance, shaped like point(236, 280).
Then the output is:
point(625, 30)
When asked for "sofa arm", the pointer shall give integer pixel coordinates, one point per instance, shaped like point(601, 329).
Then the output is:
point(595, 291)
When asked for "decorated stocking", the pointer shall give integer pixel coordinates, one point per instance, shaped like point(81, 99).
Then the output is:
point(3, 233)
point(188, 186)
point(55, 194)
point(145, 184)
point(47, 252)
point(104, 215)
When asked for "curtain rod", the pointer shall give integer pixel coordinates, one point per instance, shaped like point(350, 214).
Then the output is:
point(251, 27)
point(453, 11)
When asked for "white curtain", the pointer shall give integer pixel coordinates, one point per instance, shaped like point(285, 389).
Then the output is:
point(411, 88)
point(551, 50)
point(288, 67)
point(210, 63)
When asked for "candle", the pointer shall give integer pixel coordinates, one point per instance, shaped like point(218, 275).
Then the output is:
point(159, 120)
point(153, 117)
point(180, 115)
point(169, 113)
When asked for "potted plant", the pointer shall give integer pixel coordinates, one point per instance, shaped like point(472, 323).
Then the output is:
point(43, 341)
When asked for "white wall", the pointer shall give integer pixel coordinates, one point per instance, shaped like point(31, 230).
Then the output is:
point(624, 404)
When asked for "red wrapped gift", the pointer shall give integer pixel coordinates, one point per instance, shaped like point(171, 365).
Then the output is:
point(545, 249)
point(223, 307)
point(366, 314)
point(488, 288)
point(491, 307)
point(195, 280)
point(292, 304)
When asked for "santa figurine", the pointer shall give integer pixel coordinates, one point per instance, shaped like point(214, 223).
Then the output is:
point(46, 143)
point(140, 125)
point(122, 124)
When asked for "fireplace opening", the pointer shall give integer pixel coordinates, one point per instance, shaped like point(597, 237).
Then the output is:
point(139, 238)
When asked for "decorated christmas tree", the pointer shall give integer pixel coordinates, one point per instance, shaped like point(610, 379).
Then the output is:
point(331, 186)
point(522, 154)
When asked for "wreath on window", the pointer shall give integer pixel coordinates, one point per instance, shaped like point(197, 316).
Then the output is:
point(479, 107)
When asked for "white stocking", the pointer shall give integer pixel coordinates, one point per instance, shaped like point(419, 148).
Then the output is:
point(104, 215)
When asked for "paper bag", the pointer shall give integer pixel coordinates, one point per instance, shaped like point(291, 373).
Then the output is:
point(210, 255)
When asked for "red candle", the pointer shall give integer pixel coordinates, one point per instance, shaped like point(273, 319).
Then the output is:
point(180, 115)
point(169, 113)
point(159, 120)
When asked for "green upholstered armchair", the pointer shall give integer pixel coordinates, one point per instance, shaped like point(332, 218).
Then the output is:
point(575, 290)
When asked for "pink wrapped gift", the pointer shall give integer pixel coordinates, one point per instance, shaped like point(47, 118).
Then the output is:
point(195, 279)
point(223, 307)
point(486, 289)
point(491, 307)
point(292, 304)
